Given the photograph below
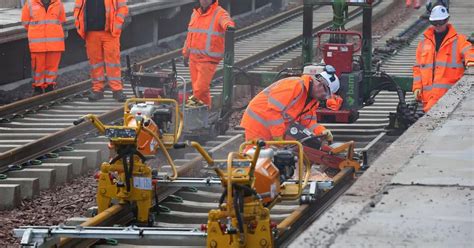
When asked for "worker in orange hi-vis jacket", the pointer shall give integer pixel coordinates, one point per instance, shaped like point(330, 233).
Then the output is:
point(43, 20)
point(293, 99)
point(100, 23)
point(204, 47)
point(441, 58)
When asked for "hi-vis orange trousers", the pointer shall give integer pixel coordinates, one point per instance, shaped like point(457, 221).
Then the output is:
point(103, 51)
point(44, 67)
point(201, 77)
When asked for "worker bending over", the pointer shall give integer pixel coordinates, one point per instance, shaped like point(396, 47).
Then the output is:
point(204, 47)
point(99, 23)
point(440, 59)
point(293, 99)
point(43, 19)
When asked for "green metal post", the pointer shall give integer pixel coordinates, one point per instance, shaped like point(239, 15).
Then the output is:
point(367, 48)
point(228, 69)
point(307, 33)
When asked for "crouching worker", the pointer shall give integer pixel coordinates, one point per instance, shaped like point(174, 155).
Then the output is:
point(289, 100)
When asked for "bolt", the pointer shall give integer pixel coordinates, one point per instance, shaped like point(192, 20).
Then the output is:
point(263, 242)
point(213, 243)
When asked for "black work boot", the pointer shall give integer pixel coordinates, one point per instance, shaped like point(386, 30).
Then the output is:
point(119, 96)
point(49, 88)
point(37, 91)
point(95, 96)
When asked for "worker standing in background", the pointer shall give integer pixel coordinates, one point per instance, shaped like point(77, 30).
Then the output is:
point(43, 20)
point(440, 59)
point(293, 99)
point(99, 23)
point(204, 47)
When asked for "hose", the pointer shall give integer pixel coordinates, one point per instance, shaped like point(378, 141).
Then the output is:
point(408, 116)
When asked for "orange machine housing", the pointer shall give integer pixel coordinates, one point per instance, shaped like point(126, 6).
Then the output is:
point(145, 142)
point(267, 179)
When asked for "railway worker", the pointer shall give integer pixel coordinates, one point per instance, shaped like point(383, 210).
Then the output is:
point(99, 23)
point(440, 59)
point(43, 20)
point(274, 109)
point(204, 47)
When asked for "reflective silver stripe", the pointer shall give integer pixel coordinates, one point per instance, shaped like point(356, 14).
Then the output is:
point(463, 51)
point(25, 23)
point(265, 123)
point(30, 8)
point(49, 73)
point(415, 79)
point(315, 125)
point(437, 86)
point(203, 52)
point(454, 52)
point(309, 117)
point(37, 40)
point(121, 15)
point(121, 4)
point(98, 79)
point(119, 26)
point(210, 31)
point(276, 103)
point(425, 66)
point(45, 22)
point(205, 31)
point(46, 80)
point(449, 65)
point(95, 66)
point(112, 65)
point(114, 78)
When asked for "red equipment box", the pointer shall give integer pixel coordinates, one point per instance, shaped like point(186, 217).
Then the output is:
point(339, 116)
point(339, 55)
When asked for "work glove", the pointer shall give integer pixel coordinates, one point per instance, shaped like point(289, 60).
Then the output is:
point(417, 94)
point(278, 138)
point(328, 135)
point(186, 62)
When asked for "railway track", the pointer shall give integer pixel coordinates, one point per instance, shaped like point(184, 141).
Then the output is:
point(188, 207)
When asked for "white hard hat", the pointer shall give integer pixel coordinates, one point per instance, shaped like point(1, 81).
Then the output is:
point(329, 74)
point(439, 13)
point(313, 69)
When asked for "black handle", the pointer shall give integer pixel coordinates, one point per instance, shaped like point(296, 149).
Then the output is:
point(261, 143)
point(179, 145)
point(78, 121)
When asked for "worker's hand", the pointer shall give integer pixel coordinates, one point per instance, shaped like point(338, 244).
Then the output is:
point(278, 138)
point(417, 94)
point(186, 62)
point(230, 28)
point(328, 134)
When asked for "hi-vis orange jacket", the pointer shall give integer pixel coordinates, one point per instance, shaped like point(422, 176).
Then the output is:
point(272, 111)
point(205, 39)
point(436, 72)
point(115, 13)
point(45, 30)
